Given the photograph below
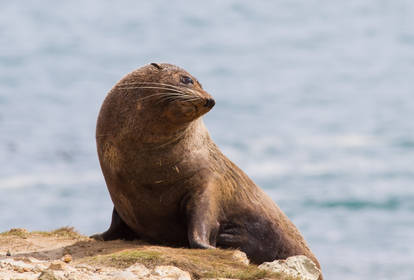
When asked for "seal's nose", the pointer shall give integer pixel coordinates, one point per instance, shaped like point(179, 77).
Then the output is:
point(210, 103)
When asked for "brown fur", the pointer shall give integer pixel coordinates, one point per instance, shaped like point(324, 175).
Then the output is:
point(171, 184)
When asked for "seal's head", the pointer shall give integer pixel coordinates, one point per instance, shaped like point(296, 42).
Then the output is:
point(168, 93)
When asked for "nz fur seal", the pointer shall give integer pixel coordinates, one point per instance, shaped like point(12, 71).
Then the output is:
point(168, 180)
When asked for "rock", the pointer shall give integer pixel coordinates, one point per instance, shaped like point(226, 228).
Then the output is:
point(296, 266)
point(39, 267)
point(74, 276)
point(123, 275)
point(219, 279)
point(47, 275)
point(240, 257)
point(56, 266)
point(139, 270)
point(17, 265)
point(23, 259)
point(84, 267)
point(19, 269)
point(168, 272)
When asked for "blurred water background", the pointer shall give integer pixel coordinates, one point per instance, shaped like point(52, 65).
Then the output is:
point(314, 100)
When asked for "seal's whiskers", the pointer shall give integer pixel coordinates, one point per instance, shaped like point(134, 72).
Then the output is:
point(172, 93)
point(171, 98)
point(162, 88)
point(159, 84)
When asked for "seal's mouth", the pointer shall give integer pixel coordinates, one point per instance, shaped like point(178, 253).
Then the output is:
point(210, 103)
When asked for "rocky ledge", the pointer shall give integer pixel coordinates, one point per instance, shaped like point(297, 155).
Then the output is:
point(65, 254)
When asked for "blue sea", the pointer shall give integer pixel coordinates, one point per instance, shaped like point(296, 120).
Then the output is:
point(314, 101)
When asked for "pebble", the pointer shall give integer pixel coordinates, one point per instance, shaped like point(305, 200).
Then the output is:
point(67, 258)
point(240, 257)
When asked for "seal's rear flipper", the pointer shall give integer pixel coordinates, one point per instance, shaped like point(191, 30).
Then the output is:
point(117, 230)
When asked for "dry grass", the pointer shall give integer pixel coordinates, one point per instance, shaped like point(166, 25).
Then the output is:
point(199, 263)
point(67, 232)
point(19, 232)
point(127, 258)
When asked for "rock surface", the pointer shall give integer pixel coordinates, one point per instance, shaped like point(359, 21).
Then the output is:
point(296, 266)
point(168, 272)
point(64, 254)
point(240, 257)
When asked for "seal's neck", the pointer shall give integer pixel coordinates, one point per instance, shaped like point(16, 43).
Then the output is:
point(167, 135)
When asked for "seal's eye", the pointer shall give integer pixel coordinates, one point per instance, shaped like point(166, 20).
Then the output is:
point(186, 80)
point(156, 65)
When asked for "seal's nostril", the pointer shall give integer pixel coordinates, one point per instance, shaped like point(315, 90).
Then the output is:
point(209, 103)
point(212, 103)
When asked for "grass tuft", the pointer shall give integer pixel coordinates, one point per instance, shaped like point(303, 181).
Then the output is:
point(67, 232)
point(127, 258)
point(19, 232)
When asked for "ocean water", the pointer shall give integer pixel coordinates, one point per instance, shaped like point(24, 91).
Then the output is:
point(314, 100)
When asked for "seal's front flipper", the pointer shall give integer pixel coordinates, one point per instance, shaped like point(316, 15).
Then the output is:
point(202, 227)
point(117, 230)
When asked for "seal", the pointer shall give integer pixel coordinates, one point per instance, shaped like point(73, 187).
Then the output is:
point(168, 180)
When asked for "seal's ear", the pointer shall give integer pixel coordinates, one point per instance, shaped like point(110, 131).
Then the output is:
point(156, 65)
